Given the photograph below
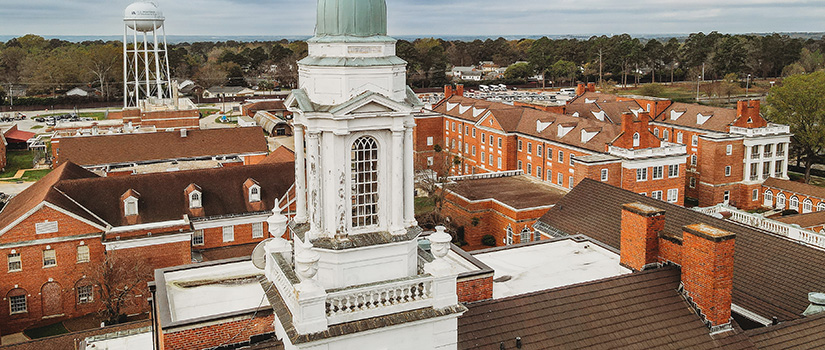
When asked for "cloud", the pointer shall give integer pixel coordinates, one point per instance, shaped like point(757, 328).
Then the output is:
point(426, 17)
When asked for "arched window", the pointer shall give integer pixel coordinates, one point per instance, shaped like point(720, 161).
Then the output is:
point(195, 200)
point(364, 172)
point(130, 206)
point(509, 238)
point(18, 303)
point(820, 206)
point(636, 138)
point(665, 134)
point(780, 201)
point(793, 203)
point(526, 235)
point(768, 198)
point(255, 194)
point(807, 206)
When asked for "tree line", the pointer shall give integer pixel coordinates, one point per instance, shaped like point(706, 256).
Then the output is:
point(49, 67)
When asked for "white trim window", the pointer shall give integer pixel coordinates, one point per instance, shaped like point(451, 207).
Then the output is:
point(536, 235)
point(679, 137)
point(195, 200)
point(490, 157)
point(570, 182)
point(18, 304)
point(364, 182)
point(673, 170)
point(254, 193)
point(49, 258)
point(692, 182)
point(768, 199)
point(228, 233)
point(561, 157)
point(549, 153)
point(520, 166)
point(604, 175)
point(673, 195)
point(726, 197)
point(658, 172)
point(529, 148)
point(729, 149)
point(641, 174)
point(780, 201)
point(693, 160)
point(15, 262)
point(572, 156)
point(820, 206)
point(83, 254)
point(755, 195)
point(509, 235)
point(539, 173)
point(665, 134)
point(793, 203)
point(257, 230)
point(197, 237)
point(694, 141)
point(636, 139)
point(656, 132)
point(560, 179)
point(656, 195)
point(130, 206)
point(539, 150)
point(429, 141)
point(85, 294)
point(807, 206)
point(519, 145)
point(526, 235)
point(727, 170)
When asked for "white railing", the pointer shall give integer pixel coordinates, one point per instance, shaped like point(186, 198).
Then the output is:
point(374, 300)
point(487, 175)
point(771, 129)
point(283, 283)
point(667, 149)
point(758, 221)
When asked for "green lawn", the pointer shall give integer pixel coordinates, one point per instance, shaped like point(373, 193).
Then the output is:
point(205, 112)
point(93, 115)
point(37, 127)
point(424, 205)
point(34, 175)
point(46, 331)
point(17, 159)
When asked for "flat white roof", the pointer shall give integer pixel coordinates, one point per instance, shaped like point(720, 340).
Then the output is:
point(536, 267)
point(213, 290)
point(140, 341)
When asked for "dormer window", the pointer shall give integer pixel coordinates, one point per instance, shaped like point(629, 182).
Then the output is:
point(636, 139)
point(195, 200)
point(130, 206)
point(255, 193)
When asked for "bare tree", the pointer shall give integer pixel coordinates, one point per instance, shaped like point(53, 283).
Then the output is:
point(121, 279)
point(432, 170)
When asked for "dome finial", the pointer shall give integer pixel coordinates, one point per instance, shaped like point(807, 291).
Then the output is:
point(359, 18)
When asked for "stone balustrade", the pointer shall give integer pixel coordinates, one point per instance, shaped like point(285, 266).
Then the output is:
point(772, 129)
point(758, 221)
point(360, 302)
point(667, 149)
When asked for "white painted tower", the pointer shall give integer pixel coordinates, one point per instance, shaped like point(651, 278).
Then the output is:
point(353, 278)
point(145, 62)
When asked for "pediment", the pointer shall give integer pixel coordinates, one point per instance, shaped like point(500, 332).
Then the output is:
point(369, 103)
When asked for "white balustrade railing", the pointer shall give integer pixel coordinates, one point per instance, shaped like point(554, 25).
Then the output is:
point(758, 221)
point(768, 130)
point(667, 149)
point(286, 288)
point(487, 175)
point(379, 299)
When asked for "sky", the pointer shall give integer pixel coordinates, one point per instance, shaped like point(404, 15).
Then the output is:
point(427, 17)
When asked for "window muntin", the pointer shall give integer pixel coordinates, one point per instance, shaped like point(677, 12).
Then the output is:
point(83, 254)
point(665, 134)
point(526, 235)
point(673, 170)
point(658, 172)
point(726, 197)
point(636, 139)
point(727, 170)
point(641, 174)
point(254, 193)
point(257, 230)
point(228, 233)
point(549, 153)
point(195, 200)
point(755, 195)
point(793, 203)
point(15, 262)
point(692, 182)
point(85, 294)
point(820, 206)
point(197, 237)
point(561, 157)
point(364, 182)
point(571, 159)
point(694, 140)
point(17, 304)
point(755, 152)
point(519, 145)
point(673, 195)
point(656, 195)
point(130, 206)
point(49, 258)
point(604, 174)
point(570, 182)
point(529, 148)
point(539, 173)
point(509, 238)
point(679, 137)
point(539, 150)
point(768, 199)
point(807, 206)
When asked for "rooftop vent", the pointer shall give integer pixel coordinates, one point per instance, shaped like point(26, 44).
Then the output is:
point(817, 304)
point(182, 132)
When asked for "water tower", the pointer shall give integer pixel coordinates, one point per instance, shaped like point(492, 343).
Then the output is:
point(145, 62)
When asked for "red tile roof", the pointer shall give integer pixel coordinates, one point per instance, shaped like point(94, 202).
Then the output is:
point(141, 147)
point(796, 187)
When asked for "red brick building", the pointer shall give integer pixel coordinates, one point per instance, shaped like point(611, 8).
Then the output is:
point(57, 233)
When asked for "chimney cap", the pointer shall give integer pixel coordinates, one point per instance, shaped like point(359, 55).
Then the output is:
point(709, 232)
point(642, 209)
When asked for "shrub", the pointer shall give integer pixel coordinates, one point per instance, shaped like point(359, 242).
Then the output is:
point(488, 240)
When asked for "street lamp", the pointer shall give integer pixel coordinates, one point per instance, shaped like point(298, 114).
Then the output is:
point(698, 80)
point(748, 86)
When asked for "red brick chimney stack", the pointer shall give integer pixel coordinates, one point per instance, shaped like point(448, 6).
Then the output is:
point(459, 89)
point(448, 91)
point(707, 271)
point(580, 89)
point(591, 87)
point(641, 225)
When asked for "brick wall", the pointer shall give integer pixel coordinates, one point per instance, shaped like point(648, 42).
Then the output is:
point(213, 237)
point(476, 289)
point(220, 333)
point(707, 270)
point(801, 197)
point(594, 172)
point(670, 250)
point(641, 226)
point(647, 187)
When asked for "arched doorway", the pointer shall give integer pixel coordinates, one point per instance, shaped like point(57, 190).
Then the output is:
point(52, 299)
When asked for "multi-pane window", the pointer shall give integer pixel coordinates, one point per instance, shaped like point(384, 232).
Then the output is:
point(473, 150)
point(793, 203)
point(656, 195)
point(768, 151)
point(560, 179)
point(49, 258)
point(536, 235)
point(693, 160)
point(491, 140)
point(755, 152)
point(195, 200)
point(483, 158)
point(726, 197)
point(694, 140)
point(131, 206)
point(499, 142)
point(679, 137)
point(539, 149)
point(257, 230)
point(604, 174)
point(754, 171)
point(755, 195)
point(84, 294)
point(658, 172)
point(364, 168)
point(499, 162)
point(780, 149)
point(641, 174)
point(83, 254)
point(474, 132)
point(692, 182)
point(561, 157)
point(656, 132)
point(529, 169)
point(45, 227)
point(519, 145)
point(766, 170)
point(529, 148)
point(17, 304)
point(15, 263)
point(509, 235)
point(571, 159)
point(483, 137)
point(673, 170)
point(526, 235)
point(778, 168)
point(820, 206)
point(636, 139)
point(520, 166)
point(539, 173)
point(228, 233)
point(673, 195)
point(197, 237)
point(729, 149)
point(665, 134)
point(254, 193)
point(490, 159)
point(549, 153)
point(570, 182)
point(727, 170)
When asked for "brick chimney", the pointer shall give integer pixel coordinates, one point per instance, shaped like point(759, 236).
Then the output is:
point(707, 271)
point(632, 125)
point(459, 89)
point(448, 91)
point(748, 115)
point(580, 89)
point(641, 225)
point(591, 87)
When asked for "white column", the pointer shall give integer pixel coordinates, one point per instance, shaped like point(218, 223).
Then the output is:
point(773, 168)
point(785, 164)
point(397, 189)
point(409, 175)
point(300, 176)
point(314, 188)
point(747, 169)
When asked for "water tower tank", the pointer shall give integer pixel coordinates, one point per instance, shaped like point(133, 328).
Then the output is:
point(143, 16)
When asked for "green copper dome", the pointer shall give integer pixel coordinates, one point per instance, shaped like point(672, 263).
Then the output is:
point(351, 18)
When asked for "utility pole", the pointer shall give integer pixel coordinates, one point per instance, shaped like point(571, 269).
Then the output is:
point(698, 80)
point(748, 86)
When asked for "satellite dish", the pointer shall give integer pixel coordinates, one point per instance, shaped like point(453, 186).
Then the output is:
point(259, 254)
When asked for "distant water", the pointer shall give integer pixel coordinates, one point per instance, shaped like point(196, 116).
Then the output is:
point(176, 39)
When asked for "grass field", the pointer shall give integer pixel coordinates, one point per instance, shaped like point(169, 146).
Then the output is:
point(93, 115)
point(34, 175)
point(17, 159)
